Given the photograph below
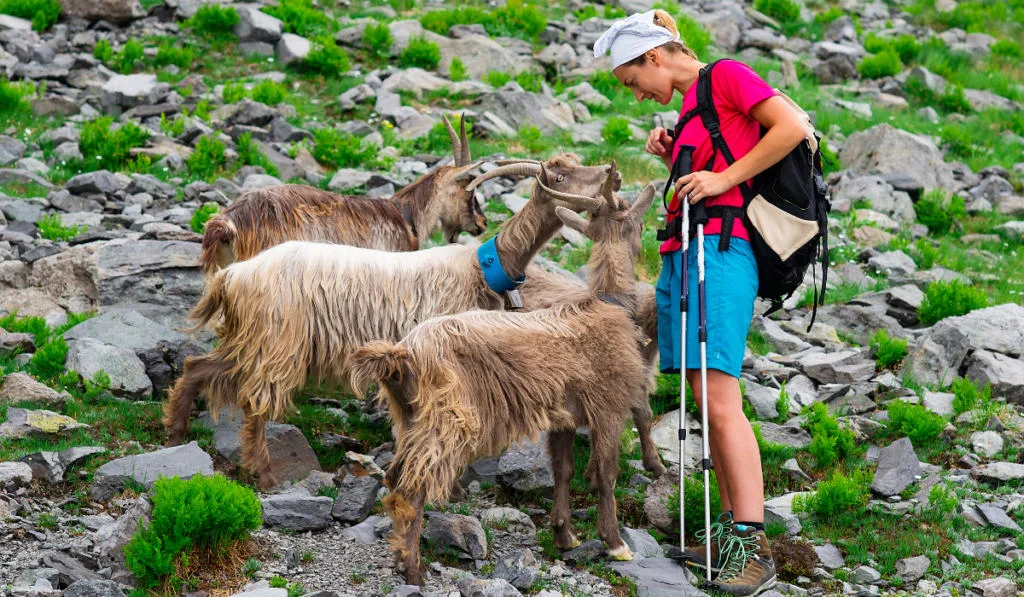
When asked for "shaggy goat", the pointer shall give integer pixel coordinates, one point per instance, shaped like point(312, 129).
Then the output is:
point(462, 387)
point(269, 216)
point(299, 309)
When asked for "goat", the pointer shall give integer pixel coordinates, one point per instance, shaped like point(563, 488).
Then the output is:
point(299, 309)
point(466, 386)
point(265, 217)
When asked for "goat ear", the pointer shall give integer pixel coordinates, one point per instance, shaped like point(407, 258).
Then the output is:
point(643, 202)
point(571, 219)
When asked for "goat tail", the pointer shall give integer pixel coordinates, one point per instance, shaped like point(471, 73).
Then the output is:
point(377, 362)
point(217, 242)
point(211, 304)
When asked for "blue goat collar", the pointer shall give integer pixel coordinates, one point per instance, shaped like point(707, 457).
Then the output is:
point(494, 274)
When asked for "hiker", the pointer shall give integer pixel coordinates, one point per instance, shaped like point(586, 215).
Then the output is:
point(649, 57)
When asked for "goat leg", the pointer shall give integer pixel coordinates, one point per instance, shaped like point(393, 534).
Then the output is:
point(642, 416)
point(560, 447)
point(606, 455)
point(255, 454)
point(407, 525)
point(197, 373)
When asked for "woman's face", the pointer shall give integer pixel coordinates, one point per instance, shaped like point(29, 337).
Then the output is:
point(651, 80)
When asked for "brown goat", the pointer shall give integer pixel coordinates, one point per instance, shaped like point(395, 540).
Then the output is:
point(265, 217)
point(296, 311)
point(462, 387)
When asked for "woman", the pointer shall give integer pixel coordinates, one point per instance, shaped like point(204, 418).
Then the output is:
point(649, 58)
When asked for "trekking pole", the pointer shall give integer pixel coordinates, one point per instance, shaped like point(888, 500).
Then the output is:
point(702, 335)
point(684, 309)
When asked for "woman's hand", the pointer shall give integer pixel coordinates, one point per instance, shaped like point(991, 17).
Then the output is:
point(702, 184)
point(659, 143)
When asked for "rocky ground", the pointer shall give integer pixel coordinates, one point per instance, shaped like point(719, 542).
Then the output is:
point(124, 126)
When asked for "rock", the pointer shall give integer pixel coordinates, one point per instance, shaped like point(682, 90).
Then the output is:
point(364, 533)
point(348, 178)
point(20, 386)
point(459, 532)
point(414, 80)
point(297, 512)
point(38, 423)
point(123, 92)
point(641, 543)
point(665, 434)
point(115, 11)
point(780, 509)
point(998, 518)
point(786, 435)
point(997, 472)
point(519, 108)
point(510, 519)
point(291, 48)
point(878, 193)
point(520, 569)
point(256, 25)
point(884, 149)
point(657, 577)
point(893, 262)
point(792, 467)
point(100, 181)
point(69, 569)
point(472, 587)
point(865, 575)
point(940, 403)
point(110, 539)
point(480, 55)
point(127, 373)
point(987, 443)
point(847, 366)
point(1004, 373)
point(829, 556)
point(125, 329)
point(526, 467)
point(51, 466)
point(996, 587)
point(14, 475)
point(94, 588)
point(180, 461)
point(912, 569)
point(588, 551)
point(356, 496)
point(763, 399)
point(898, 466)
point(150, 272)
point(291, 457)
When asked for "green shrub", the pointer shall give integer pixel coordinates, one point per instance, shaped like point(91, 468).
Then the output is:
point(938, 213)
point(782, 404)
point(954, 100)
point(532, 139)
point(829, 443)
point(948, 299)
point(695, 503)
point(104, 146)
point(13, 96)
point(907, 47)
point(208, 512)
point(326, 58)
point(169, 53)
point(616, 131)
point(302, 18)
point(377, 39)
point(691, 32)
point(202, 215)
point(269, 93)
point(124, 61)
point(915, 421)
point(51, 227)
point(888, 352)
point(837, 495)
point(249, 154)
point(497, 78)
point(207, 158)
point(420, 53)
point(783, 11)
point(530, 81)
point(875, 43)
point(515, 19)
point(967, 396)
point(213, 21)
point(42, 13)
point(103, 51)
point(1007, 48)
point(884, 64)
point(336, 149)
point(234, 92)
point(457, 71)
point(440, 21)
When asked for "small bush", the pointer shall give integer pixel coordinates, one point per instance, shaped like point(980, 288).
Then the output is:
point(938, 213)
point(532, 139)
point(829, 443)
point(169, 53)
point(326, 58)
point(103, 51)
point(518, 19)
point(884, 64)
point(269, 93)
point(336, 149)
point(124, 61)
point(47, 362)
point(249, 154)
point(207, 159)
point(204, 511)
point(915, 421)
point(888, 352)
point(42, 13)
point(234, 92)
point(695, 503)
point(457, 71)
point(616, 131)
point(202, 215)
point(954, 100)
point(51, 227)
point(967, 396)
point(497, 78)
point(104, 146)
point(782, 404)
point(421, 53)
point(377, 39)
point(784, 11)
point(1007, 48)
point(837, 495)
point(13, 96)
point(440, 21)
point(302, 18)
point(213, 21)
point(948, 299)
point(907, 47)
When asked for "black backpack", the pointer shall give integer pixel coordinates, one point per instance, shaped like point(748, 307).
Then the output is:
point(785, 213)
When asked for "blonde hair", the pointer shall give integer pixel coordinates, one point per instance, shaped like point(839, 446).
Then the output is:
point(663, 19)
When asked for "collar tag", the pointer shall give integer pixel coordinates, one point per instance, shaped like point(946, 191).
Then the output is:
point(494, 274)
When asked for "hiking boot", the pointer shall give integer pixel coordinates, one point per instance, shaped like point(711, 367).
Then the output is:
point(747, 567)
point(720, 531)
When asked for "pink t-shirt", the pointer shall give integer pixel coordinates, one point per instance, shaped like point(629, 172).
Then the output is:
point(735, 89)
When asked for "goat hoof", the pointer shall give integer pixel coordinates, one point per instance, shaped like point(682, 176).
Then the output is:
point(573, 543)
point(658, 470)
point(621, 553)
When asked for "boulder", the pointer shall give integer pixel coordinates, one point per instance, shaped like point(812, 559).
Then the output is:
point(898, 467)
point(126, 372)
point(297, 511)
point(884, 149)
point(461, 533)
point(37, 423)
point(180, 461)
point(115, 11)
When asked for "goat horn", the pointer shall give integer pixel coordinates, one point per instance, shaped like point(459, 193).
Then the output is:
point(571, 219)
point(516, 161)
point(608, 190)
point(509, 170)
point(456, 142)
point(574, 200)
point(464, 140)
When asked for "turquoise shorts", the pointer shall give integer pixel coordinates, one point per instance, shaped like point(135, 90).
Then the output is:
point(730, 280)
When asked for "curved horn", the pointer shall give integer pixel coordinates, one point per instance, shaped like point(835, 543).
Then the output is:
point(456, 142)
point(574, 200)
point(608, 188)
point(510, 170)
point(571, 219)
point(516, 161)
point(464, 140)
point(643, 202)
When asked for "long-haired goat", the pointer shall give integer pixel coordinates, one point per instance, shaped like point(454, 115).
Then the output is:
point(262, 218)
point(466, 386)
point(297, 310)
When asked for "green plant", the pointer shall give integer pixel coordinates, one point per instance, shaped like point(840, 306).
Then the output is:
point(203, 215)
point(103, 51)
point(326, 58)
point(99, 384)
point(208, 158)
point(616, 131)
point(691, 32)
point(213, 21)
point(13, 96)
point(837, 495)
point(497, 78)
point(205, 511)
point(269, 92)
point(170, 53)
point(968, 396)
point(336, 149)
point(782, 404)
point(330, 491)
point(937, 212)
point(1007, 48)
point(784, 11)
point(948, 299)
point(531, 138)
point(251, 567)
point(915, 421)
point(829, 443)
point(883, 64)
point(377, 39)
point(458, 71)
point(278, 582)
point(517, 19)
point(302, 18)
point(249, 154)
point(420, 53)
point(105, 146)
point(888, 352)
point(51, 227)
point(233, 92)
point(695, 502)
point(42, 13)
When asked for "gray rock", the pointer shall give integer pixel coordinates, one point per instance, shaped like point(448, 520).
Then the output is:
point(510, 519)
point(657, 577)
point(461, 533)
point(641, 543)
point(15, 474)
point(180, 461)
point(150, 272)
point(69, 569)
point(786, 435)
point(472, 587)
point(406, 591)
point(256, 25)
point(20, 386)
point(364, 533)
point(520, 569)
point(94, 588)
point(987, 443)
point(45, 424)
point(356, 496)
point(291, 48)
point(125, 329)
point(588, 551)
point(940, 403)
point(937, 355)
point(847, 366)
point(297, 511)
point(347, 178)
point(127, 374)
point(51, 466)
point(780, 510)
point(865, 575)
point(147, 183)
point(763, 399)
point(114, 11)
point(898, 466)
point(1006, 374)
point(526, 467)
point(123, 92)
point(829, 556)
point(996, 472)
point(996, 587)
point(518, 108)
point(893, 262)
point(912, 569)
point(884, 149)
point(100, 181)
point(998, 518)
point(414, 80)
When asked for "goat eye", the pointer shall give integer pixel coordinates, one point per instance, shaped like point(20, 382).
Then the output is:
point(560, 178)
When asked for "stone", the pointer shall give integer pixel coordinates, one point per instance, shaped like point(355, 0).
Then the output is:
point(997, 472)
point(472, 587)
point(126, 371)
point(291, 48)
point(519, 108)
point(588, 551)
point(150, 272)
point(520, 569)
point(884, 149)
point(256, 25)
point(20, 386)
point(865, 575)
point(763, 399)
point(526, 467)
point(1005, 374)
point(898, 466)
point(364, 533)
point(51, 466)
point(184, 461)
point(829, 556)
point(510, 519)
point(22, 423)
point(780, 340)
point(297, 512)
point(996, 587)
point(641, 543)
point(94, 588)
point(785, 435)
point(100, 181)
point(125, 329)
point(657, 577)
point(69, 569)
point(997, 517)
point(846, 366)
point(893, 262)
point(912, 569)
point(940, 403)
point(780, 510)
point(459, 532)
point(123, 92)
point(348, 178)
point(480, 55)
point(414, 80)
point(14, 475)
point(356, 496)
point(987, 443)
point(109, 540)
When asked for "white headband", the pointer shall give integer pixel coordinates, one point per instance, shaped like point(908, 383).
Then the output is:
point(630, 37)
